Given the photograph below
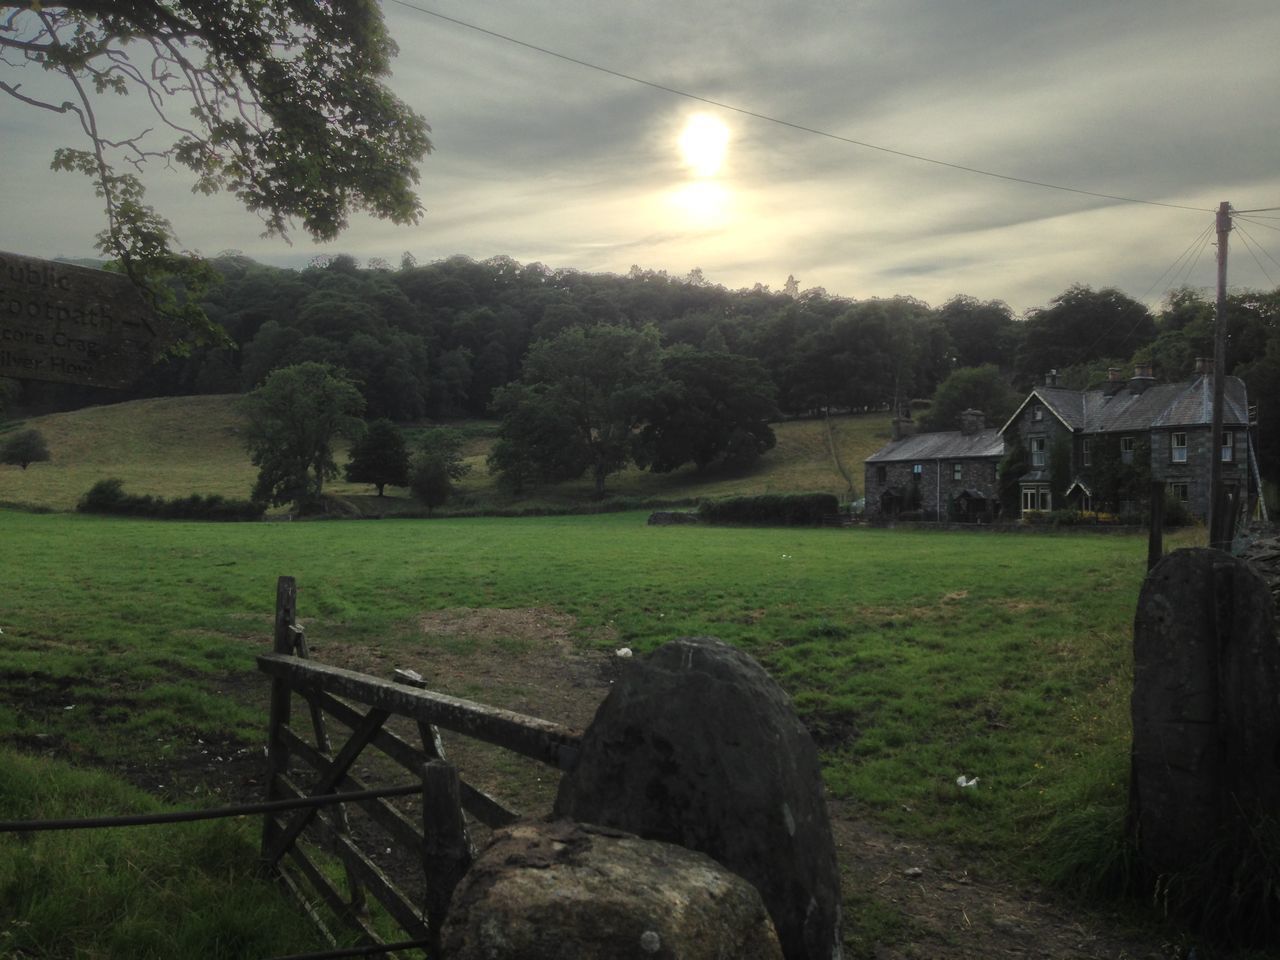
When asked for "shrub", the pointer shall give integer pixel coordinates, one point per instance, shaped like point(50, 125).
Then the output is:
point(108, 496)
point(802, 509)
point(1176, 513)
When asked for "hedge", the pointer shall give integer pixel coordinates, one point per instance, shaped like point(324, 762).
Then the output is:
point(796, 509)
point(108, 496)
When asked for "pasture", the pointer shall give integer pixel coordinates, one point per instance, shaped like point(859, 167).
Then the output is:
point(914, 656)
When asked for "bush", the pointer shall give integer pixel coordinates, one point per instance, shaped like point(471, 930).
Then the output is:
point(108, 496)
point(802, 509)
point(1176, 513)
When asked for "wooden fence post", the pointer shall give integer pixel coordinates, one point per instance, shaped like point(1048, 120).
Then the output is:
point(281, 704)
point(1155, 537)
point(447, 852)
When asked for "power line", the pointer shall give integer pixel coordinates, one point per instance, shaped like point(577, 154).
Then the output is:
point(1200, 239)
point(1249, 243)
point(787, 123)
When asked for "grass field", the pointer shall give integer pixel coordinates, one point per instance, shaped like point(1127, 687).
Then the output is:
point(913, 656)
point(176, 446)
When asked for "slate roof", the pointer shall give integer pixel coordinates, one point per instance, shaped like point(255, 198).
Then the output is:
point(947, 445)
point(1186, 404)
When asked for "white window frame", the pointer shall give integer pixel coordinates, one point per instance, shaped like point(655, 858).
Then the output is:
point(1037, 412)
point(1039, 451)
point(1228, 447)
point(917, 471)
point(1127, 446)
point(1178, 446)
point(1086, 452)
point(957, 472)
point(1181, 491)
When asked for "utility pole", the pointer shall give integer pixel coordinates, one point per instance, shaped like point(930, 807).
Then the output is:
point(1219, 514)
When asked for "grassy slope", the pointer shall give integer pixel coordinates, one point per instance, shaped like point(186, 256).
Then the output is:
point(181, 445)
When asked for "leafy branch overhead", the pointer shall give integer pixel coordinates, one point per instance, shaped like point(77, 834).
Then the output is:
point(281, 102)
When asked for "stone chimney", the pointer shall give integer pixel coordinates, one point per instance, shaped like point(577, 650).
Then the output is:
point(1115, 381)
point(903, 426)
point(971, 422)
point(1051, 378)
point(1141, 378)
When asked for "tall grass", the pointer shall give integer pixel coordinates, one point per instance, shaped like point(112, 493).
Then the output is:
point(182, 890)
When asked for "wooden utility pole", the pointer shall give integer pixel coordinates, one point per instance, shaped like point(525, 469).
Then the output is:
point(1219, 514)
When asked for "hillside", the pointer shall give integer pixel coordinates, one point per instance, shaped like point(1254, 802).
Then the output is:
point(176, 446)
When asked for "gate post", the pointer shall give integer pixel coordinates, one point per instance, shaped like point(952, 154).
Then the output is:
point(281, 705)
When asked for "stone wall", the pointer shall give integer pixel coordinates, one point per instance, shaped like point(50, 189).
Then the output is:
point(935, 495)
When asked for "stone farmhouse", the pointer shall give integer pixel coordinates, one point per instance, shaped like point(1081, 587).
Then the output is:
point(1085, 450)
point(1135, 423)
point(947, 475)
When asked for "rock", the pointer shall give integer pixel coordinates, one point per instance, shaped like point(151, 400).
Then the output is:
point(666, 518)
point(1205, 723)
point(697, 745)
point(570, 891)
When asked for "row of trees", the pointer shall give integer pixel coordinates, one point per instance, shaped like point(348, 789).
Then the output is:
point(591, 400)
point(462, 337)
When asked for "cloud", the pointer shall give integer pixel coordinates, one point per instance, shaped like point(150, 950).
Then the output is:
point(541, 159)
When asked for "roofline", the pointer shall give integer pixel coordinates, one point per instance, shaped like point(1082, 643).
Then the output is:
point(1035, 392)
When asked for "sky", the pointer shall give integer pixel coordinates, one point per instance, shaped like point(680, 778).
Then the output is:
point(540, 159)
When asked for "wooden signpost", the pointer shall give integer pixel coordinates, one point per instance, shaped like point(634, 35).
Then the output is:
point(73, 324)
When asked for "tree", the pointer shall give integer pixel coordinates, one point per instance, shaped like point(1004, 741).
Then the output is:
point(379, 457)
point(711, 407)
point(292, 421)
point(970, 388)
point(1081, 325)
point(24, 448)
point(280, 102)
point(436, 466)
point(596, 384)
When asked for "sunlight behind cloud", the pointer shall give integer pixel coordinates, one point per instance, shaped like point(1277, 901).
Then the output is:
point(703, 144)
point(703, 203)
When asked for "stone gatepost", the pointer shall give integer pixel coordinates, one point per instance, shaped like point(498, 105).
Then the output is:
point(1206, 709)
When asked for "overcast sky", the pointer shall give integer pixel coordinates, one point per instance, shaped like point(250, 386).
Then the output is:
point(539, 159)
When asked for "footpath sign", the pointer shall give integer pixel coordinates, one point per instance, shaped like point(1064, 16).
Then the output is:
point(73, 324)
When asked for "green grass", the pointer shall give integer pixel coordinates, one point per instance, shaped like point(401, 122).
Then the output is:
point(914, 656)
point(176, 446)
point(183, 890)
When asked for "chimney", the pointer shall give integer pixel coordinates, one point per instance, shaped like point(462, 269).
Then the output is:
point(1204, 366)
point(971, 422)
point(1051, 378)
point(903, 426)
point(1114, 381)
point(1141, 378)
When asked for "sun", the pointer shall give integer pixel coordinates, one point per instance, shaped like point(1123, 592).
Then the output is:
point(703, 143)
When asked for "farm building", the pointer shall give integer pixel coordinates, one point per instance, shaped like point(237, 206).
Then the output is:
point(1097, 449)
point(949, 475)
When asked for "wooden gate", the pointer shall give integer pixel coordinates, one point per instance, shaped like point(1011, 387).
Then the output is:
point(306, 764)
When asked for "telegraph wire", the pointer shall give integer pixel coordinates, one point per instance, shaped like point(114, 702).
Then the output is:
point(1200, 239)
point(1249, 243)
point(787, 123)
point(1258, 223)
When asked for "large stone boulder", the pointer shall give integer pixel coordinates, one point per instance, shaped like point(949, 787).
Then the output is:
point(567, 891)
point(697, 745)
point(1206, 708)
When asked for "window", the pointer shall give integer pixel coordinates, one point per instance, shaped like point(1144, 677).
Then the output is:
point(957, 471)
point(1038, 450)
point(1037, 412)
point(917, 471)
point(881, 473)
point(1180, 491)
point(1178, 447)
point(1035, 497)
point(1126, 449)
point(1086, 453)
point(1228, 446)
